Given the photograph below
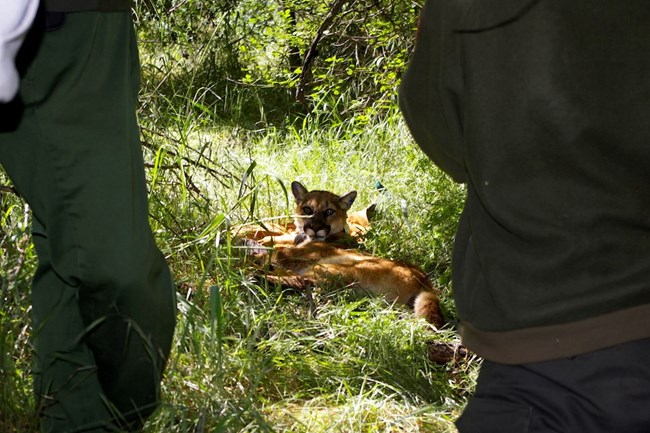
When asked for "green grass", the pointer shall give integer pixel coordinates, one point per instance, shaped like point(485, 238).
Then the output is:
point(17, 260)
point(248, 357)
point(255, 358)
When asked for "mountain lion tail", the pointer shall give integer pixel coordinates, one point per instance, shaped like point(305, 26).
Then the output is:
point(427, 305)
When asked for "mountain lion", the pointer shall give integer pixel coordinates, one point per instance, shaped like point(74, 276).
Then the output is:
point(317, 249)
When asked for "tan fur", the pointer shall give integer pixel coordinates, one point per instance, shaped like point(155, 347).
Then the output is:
point(396, 281)
point(279, 235)
point(320, 215)
point(314, 249)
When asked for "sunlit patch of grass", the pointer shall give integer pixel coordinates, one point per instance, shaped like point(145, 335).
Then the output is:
point(247, 356)
point(361, 413)
point(252, 357)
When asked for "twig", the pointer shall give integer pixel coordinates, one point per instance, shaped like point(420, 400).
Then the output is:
point(9, 189)
point(197, 164)
point(177, 6)
point(312, 52)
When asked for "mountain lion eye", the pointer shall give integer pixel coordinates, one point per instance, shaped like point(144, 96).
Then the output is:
point(307, 210)
point(329, 212)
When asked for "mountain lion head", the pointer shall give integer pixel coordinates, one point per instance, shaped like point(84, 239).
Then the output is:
point(320, 214)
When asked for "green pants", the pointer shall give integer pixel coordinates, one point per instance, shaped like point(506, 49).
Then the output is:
point(103, 299)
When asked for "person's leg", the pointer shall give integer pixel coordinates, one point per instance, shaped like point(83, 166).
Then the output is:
point(601, 392)
point(103, 299)
point(68, 391)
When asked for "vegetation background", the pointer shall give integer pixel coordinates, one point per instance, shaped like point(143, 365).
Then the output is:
point(239, 98)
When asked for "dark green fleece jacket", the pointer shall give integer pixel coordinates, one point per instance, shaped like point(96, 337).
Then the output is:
point(543, 109)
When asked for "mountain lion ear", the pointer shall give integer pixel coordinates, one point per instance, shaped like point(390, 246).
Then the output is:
point(347, 200)
point(371, 211)
point(298, 190)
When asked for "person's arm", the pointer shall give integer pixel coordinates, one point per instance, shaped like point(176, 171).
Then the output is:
point(15, 20)
point(430, 91)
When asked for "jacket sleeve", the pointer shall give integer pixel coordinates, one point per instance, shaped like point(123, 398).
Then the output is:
point(431, 89)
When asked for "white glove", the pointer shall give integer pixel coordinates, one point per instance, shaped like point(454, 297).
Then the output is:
point(16, 17)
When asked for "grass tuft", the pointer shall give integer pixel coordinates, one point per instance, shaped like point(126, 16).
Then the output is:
point(248, 356)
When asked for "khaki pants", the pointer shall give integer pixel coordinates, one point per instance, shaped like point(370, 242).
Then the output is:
point(103, 299)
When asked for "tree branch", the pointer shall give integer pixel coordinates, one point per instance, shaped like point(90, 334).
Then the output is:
point(312, 52)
